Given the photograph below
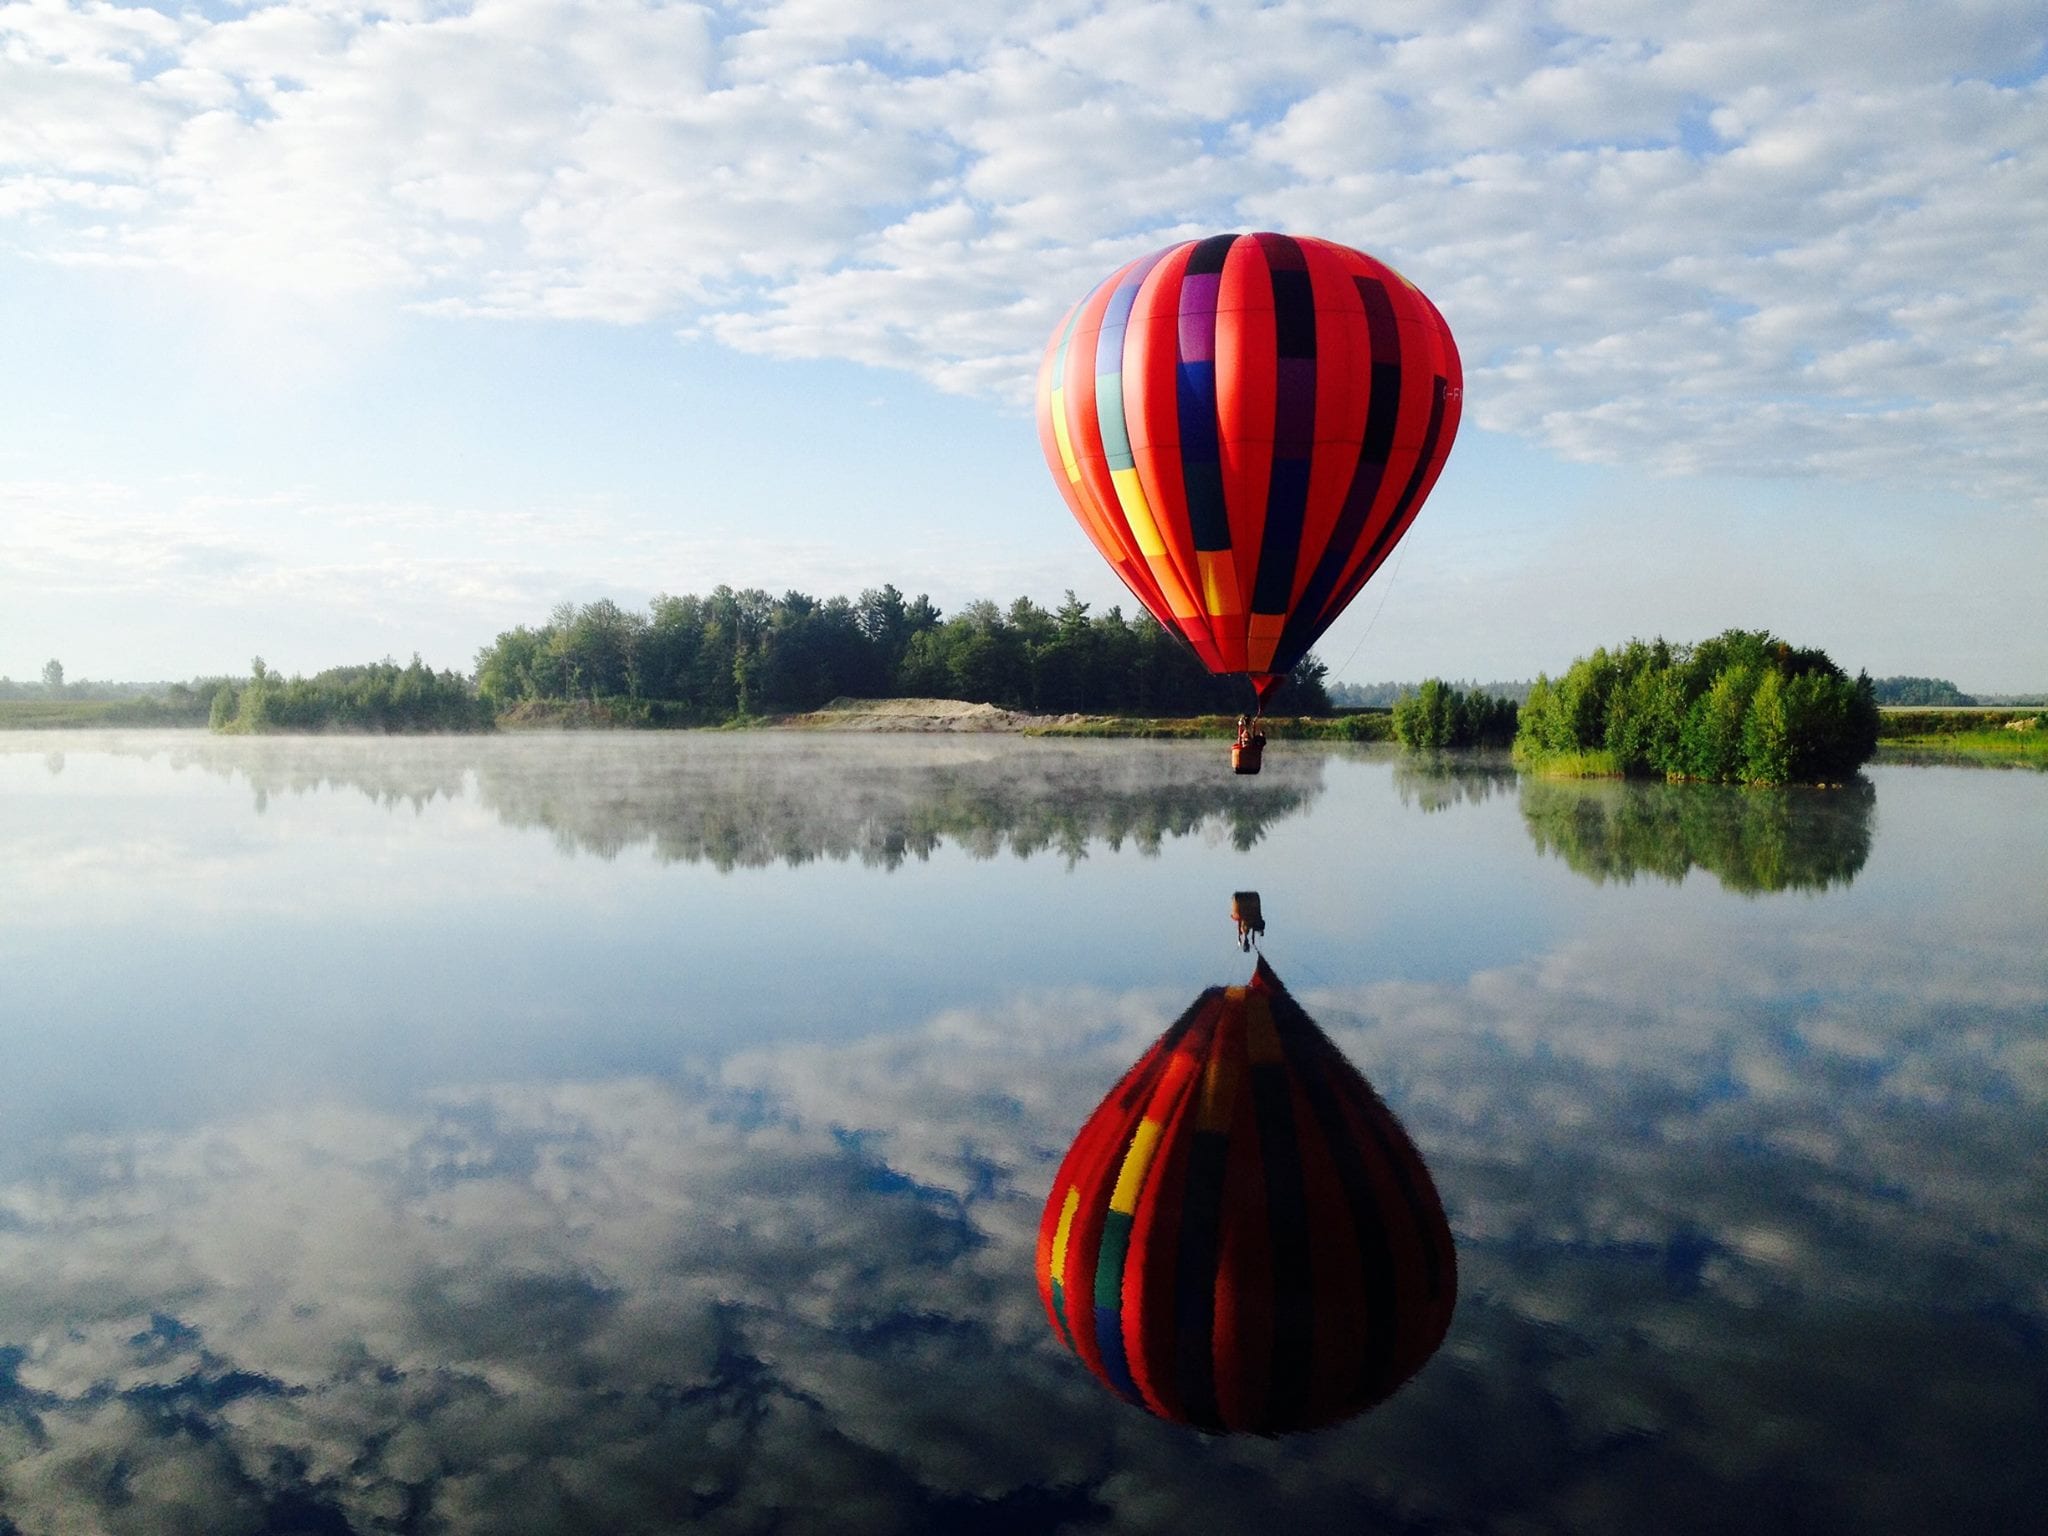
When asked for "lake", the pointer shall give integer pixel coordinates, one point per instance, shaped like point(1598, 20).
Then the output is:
point(630, 1133)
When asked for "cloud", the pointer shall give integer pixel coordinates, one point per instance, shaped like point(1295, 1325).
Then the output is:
point(406, 574)
point(1754, 239)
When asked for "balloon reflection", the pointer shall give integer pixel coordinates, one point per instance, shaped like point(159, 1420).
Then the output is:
point(1242, 1237)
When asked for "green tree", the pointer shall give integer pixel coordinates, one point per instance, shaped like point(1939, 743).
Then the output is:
point(53, 677)
point(1305, 692)
point(1063, 669)
point(1542, 728)
point(505, 669)
point(1713, 727)
point(1766, 737)
point(1421, 720)
point(1582, 697)
point(1645, 720)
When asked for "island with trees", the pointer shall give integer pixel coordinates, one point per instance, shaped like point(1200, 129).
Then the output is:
point(1742, 708)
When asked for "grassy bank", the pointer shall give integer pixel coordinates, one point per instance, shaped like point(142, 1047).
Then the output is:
point(82, 714)
point(1364, 725)
point(2000, 749)
point(1919, 724)
point(1946, 741)
point(611, 714)
point(1992, 738)
point(1589, 763)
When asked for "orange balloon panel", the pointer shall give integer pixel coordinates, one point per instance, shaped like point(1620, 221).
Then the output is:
point(1242, 1237)
point(1245, 426)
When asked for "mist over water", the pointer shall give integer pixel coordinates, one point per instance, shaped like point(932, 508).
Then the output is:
point(626, 1133)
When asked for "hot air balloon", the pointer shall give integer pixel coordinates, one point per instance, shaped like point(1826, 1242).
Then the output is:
point(1245, 426)
point(1242, 1237)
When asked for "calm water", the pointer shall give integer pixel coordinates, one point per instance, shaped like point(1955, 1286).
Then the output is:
point(628, 1134)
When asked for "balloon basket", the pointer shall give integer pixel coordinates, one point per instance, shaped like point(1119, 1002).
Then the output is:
point(1245, 757)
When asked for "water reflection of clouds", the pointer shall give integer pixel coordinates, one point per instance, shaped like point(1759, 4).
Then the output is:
point(1737, 1232)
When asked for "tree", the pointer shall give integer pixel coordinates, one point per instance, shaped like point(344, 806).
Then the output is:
point(53, 677)
point(1304, 693)
point(1766, 739)
point(505, 668)
point(1063, 668)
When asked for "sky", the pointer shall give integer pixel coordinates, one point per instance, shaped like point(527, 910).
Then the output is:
point(329, 332)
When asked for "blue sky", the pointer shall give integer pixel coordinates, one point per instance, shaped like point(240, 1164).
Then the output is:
point(332, 332)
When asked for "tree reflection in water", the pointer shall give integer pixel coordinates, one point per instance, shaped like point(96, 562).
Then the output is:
point(753, 799)
point(885, 802)
point(1436, 781)
point(1751, 840)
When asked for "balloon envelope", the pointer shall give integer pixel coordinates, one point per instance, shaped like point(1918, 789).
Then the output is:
point(1245, 426)
point(1242, 1237)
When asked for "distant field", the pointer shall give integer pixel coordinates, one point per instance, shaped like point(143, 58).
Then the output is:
point(1977, 735)
point(2012, 749)
point(70, 714)
point(1915, 720)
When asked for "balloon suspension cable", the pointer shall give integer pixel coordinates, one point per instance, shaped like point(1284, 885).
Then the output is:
point(1400, 558)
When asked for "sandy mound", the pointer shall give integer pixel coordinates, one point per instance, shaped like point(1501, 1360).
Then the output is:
point(915, 715)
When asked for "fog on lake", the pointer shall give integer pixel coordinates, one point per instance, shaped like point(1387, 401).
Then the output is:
point(632, 1133)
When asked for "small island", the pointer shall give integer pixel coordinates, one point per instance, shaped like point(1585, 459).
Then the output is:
point(1742, 708)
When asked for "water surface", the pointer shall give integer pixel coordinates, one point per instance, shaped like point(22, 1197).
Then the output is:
point(632, 1133)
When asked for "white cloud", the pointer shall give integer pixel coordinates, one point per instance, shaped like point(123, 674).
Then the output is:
point(1759, 238)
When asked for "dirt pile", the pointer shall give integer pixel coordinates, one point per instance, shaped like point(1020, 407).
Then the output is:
point(917, 715)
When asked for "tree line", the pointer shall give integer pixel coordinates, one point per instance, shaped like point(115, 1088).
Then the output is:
point(1438, 715)
point(1387, 695)
point(1921, 692)
point(382, 696)
point(1742, 708)
point(741, 654)
point(55, 687)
